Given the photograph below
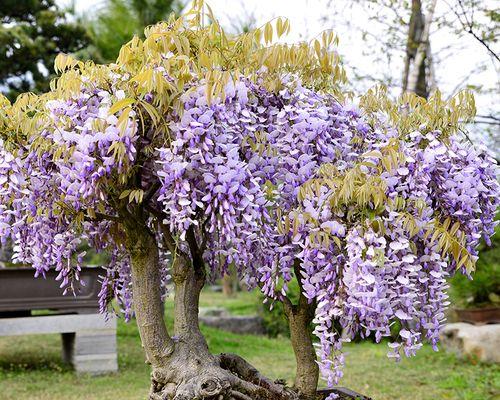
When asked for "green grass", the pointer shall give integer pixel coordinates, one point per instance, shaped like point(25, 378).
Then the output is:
point(241, 303)
point(31, 367)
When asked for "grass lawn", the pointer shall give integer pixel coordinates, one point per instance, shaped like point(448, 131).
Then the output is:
point(31, 367)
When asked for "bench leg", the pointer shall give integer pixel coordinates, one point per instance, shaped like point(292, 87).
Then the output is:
point(91, 351)
point(68, 346)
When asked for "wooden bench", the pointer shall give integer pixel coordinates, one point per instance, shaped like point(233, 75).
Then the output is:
point(88, 340)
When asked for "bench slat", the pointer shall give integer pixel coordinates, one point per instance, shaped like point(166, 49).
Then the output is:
point(57, 324)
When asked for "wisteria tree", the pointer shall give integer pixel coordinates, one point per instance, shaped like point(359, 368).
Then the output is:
point(214, 151)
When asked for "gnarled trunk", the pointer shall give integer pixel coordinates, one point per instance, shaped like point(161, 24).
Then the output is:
point(307, 372)
point(144, 257)
point(299, 318)
point(182, 366)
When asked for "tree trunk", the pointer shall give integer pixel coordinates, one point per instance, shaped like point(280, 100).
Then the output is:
point(182, 366)
point(307, 374)
point(188, 284)
point(227, 285)
point(300, 317)
point(144, 258)
point(307, 371)
point(417, 70)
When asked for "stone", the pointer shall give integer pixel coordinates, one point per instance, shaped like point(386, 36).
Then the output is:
point(251, 324)
point(477, 342)
point(343, 394)
point(55, 324)
point(88, 340)
point(213, 312)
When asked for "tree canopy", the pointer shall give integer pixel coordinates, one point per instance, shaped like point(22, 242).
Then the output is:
point(222, 150)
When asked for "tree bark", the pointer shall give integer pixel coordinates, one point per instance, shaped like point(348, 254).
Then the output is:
point(148, 307)
point(300, 317)
point(188, 283)
point(307, 374)
point(227, 285)
point(417, 70)
point(182, 366)
point(415, 29)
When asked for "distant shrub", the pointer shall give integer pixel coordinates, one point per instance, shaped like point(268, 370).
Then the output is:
point(484, 288)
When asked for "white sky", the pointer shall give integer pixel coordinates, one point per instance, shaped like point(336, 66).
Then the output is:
point(310, 17)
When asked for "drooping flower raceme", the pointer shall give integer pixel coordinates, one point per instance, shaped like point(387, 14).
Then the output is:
point(374, 219)
point(236, 169)
point(390, 266)
point(49, 193)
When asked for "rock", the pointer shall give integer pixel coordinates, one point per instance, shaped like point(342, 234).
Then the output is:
point(252, 324)
point(219, 317)
point(481, 343)
point(343, 394)
point(213, 312)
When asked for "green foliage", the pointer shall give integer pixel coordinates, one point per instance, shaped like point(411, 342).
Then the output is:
point(119, 20)
point(32, 33)
point(484, 289)
point(409, 112)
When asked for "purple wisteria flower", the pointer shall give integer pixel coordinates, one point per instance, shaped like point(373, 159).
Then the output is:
point(236, 172)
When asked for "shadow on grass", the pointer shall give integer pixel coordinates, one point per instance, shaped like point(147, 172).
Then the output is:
point(18, 355)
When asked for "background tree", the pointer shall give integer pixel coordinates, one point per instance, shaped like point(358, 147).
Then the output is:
point(398, 31)
point(32, 33)
point(117, 21)
point(481, 21)
point(418, 59)
point(484, 290)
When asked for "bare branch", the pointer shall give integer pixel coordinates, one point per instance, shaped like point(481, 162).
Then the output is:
point(468, 26)
point(103, 217)
point(151, 192)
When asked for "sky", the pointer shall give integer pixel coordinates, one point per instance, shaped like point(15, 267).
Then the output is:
point(309, 18)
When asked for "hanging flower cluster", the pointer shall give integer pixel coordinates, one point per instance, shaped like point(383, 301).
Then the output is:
point(47, 193)
point(386, 263)
point(376, 230)
point(206, 183)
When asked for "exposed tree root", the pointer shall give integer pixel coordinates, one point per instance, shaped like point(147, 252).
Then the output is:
point(249, 374)
point(183, 368)
point(222, 377)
